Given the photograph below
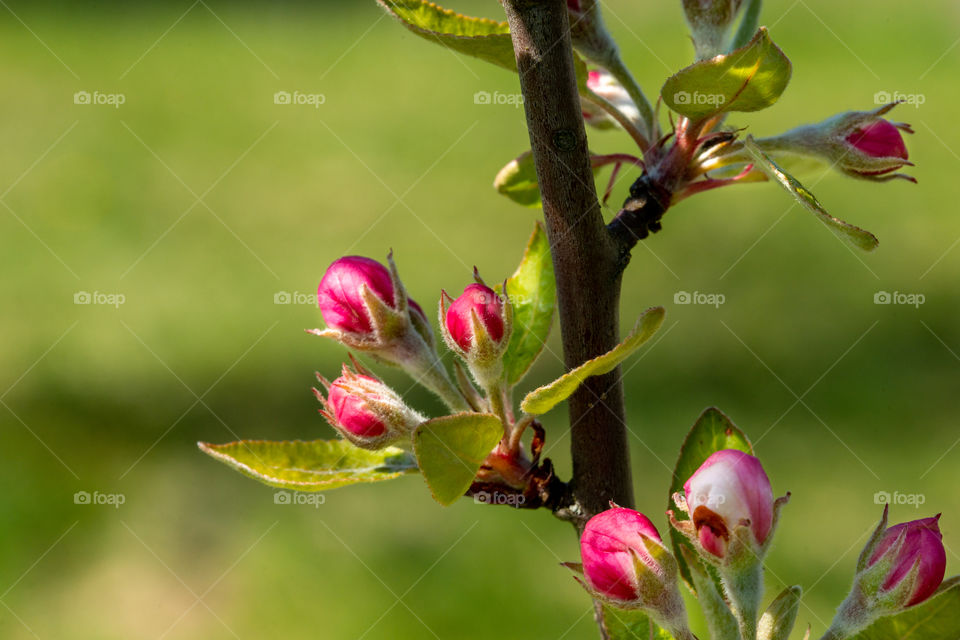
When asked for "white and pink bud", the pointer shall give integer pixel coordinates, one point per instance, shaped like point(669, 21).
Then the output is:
point(602, 83)
point(626, 565)
point(731, 520)
point(900, 567)
point(729, 490)
point(862, 144)
point(365, 411)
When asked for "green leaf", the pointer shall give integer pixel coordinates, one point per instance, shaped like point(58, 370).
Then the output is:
point(936, 619)
point(478, 37)
point(712, 432)
point(631, 624)
point(311, 466)
point(545, 398)
point(859, 238)
point(532, 291)
point(518, 181)
point(451, 449)
point(750, 78)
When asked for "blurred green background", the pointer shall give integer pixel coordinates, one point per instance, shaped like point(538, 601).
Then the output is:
point(199, 200)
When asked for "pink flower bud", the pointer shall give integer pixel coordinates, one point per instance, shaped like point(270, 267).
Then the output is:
point(879, 139)
point(340, 293)
point(607, 547)
point(729, 489)
point(365, 411)
point(477, 300)
point(923, 546)
point(862, 144)
point(351, 410)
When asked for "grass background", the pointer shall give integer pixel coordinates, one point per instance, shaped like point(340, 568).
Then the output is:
point(199, 199)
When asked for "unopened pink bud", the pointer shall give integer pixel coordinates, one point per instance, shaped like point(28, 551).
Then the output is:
point(607, 546)
point(862, 144)
point(728, 489)
point(340, 297)
point(922, 544)
point(365, 411)
point(482, 301)
point(879, 139)
point(351, 410)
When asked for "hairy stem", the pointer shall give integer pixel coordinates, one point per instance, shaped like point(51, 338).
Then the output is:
point(586, 259)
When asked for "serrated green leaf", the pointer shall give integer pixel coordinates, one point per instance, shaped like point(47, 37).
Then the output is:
point(532, 291)
point(936, 619)
point(542, 400)
point(317, 465)
point(451, 449)
point(478, 37)
point(750, 78)
point(518, 181)
point(631, 624)
point(712, 432)
point(859, 238)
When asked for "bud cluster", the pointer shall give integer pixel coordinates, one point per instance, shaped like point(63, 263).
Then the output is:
point(366, 307)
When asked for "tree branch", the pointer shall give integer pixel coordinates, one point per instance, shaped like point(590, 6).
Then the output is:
point(587, 261)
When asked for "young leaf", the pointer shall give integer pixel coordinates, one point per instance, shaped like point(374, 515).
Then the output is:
point(545, 398)
point(750, 78)
point(451, 449)
point(478, 37)
point(856, 236)
point(631, 624)
point(712, 432)
point(518, 181)
point(311, 466)
point(533, 293)
point(936, 619)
